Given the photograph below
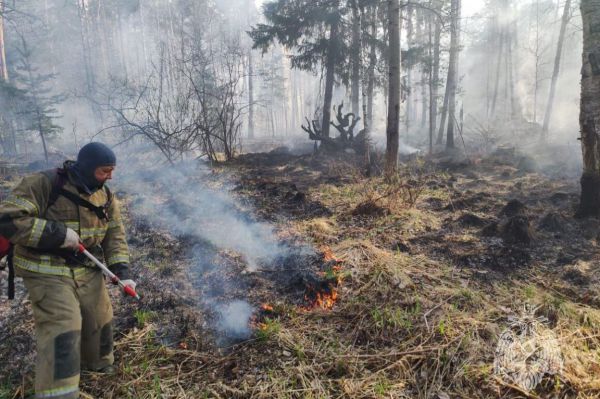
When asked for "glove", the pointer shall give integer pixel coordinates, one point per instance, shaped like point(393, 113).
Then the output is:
point(121, 270)
point(72, 240)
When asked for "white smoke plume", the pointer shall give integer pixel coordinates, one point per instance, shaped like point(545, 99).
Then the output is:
point(178, 199)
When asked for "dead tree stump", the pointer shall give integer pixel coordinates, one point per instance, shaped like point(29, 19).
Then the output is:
point(345, 126)
point(516, 230)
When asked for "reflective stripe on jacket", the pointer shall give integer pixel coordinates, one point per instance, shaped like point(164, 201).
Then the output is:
point(38, 230)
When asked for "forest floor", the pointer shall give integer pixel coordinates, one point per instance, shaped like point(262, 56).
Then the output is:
point(412, 284)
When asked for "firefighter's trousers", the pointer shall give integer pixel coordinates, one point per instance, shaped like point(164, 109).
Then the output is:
point(73, 327)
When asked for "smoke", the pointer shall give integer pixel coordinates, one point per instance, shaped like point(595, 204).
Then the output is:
point(234, 319)
point(184, 200)
point(179, 199)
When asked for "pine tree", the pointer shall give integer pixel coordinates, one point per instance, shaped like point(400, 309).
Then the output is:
point(312, 30)
point(38, 112)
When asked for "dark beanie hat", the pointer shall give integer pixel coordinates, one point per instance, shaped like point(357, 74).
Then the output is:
point(93, 155)
point(90, 157)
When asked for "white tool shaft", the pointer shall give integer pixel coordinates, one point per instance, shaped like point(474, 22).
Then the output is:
point(101, 265)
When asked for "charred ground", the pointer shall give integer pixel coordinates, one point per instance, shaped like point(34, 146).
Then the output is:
point(428, 267)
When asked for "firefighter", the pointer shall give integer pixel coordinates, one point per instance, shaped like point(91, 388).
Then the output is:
point(45, 218)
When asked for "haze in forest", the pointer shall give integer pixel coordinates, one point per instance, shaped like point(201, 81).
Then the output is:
point(99, 70)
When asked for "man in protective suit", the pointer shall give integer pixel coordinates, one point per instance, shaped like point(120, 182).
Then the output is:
point(46, 217)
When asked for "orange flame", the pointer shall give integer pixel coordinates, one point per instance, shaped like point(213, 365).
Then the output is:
point(328, 255)
point(326, 300)
point(266, 307)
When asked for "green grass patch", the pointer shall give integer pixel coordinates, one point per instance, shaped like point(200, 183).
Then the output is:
point(142, 317)
point(268, 329)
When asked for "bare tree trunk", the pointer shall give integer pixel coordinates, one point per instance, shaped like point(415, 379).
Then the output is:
point(434, 72)
point(272, 120)
point(421, 37)
point(515, 112)
point(42, 136)
point(515, 62)
point(329, 77)
point(294, 98)
point(3, 66)
point(589, 117)
point(356, 58)
point(392, 131)
point(86, 48)
point(559, 47)
point(409, 98)
point(431, 100)
point(499, 68)
point(453, 71)
point(440, 138)
point(537, 61)
point(371, 70)
point(250, 95)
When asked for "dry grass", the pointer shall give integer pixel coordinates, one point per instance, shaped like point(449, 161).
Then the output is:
point(405, 326)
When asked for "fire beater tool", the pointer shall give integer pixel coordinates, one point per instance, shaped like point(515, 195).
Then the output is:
point(113, 278)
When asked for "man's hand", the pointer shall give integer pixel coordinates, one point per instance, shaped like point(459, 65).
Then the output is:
point(72, 240)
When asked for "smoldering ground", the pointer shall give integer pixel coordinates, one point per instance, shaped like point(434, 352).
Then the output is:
point(226, 242)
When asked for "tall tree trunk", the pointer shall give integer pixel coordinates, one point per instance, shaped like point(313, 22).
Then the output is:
point(250, 95)
point(440, 138)
point(356, 58)
point(453, 75)
point(84, 25)
point(514, 100)
point(430, 54)
point(537, 61)
point(515, 62)
point(3, 66)
point(371, 70)
point(329, 77)
point(499, 68)
point(434, 72)
point(393, 119)
point(409, 98)
point(559, 47)
point(589, 117)
point(421, 28)
point(42, 136)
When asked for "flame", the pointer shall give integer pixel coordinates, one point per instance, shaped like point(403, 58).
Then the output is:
point(326, 300)
point(266, 307)
point(328, 255)
point(262, 326)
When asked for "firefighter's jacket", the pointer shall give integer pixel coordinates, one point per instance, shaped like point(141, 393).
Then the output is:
point(37, 231)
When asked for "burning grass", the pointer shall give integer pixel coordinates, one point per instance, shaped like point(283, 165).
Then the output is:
point(410, 303)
